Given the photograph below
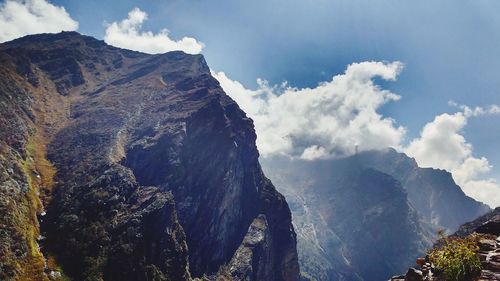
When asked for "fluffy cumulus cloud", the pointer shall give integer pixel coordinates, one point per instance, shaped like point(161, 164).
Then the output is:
point(333, 118)
point(19, 18)
point(329, 120)
point(442, 145)
point(128, 34)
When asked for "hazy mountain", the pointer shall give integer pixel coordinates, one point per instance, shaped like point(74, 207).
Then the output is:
point(432, 192)
point(368, 216)
point(138, 166)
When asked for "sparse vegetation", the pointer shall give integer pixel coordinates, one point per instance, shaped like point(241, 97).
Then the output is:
point(28, 262)
point(457, 257)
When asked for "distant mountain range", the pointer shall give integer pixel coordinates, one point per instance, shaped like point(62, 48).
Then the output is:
point(368, 216)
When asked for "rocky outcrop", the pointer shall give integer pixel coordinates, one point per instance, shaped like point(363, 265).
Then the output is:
point(253, 259)
point(488, 243)
point(157, 170)
point(424, 272)
point(488, 223)
point(489, 254)
point(112, 228)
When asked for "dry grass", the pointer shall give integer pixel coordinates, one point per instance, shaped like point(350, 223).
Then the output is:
point(32, 266)
point(457, 257)
point(51, 111)
point(45, 169)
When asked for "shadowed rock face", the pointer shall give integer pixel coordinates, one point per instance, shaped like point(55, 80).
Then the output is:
point(254, 254)
point(157, 169)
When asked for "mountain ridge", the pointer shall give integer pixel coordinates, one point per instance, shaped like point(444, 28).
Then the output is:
point(433, 192)
point(152, 169)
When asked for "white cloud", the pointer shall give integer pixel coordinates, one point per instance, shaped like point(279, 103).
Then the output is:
point(128, 34)
point(20, 18)
point(476, 111)
point(325, 121)
point(332, 118)
point(442, 145)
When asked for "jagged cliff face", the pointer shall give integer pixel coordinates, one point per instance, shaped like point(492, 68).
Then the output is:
point(353, 223)
point(151, 170)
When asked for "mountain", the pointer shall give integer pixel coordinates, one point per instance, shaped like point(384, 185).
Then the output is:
point(119, 165)
point(432, 192)
point(353, 223)
point(368, 216)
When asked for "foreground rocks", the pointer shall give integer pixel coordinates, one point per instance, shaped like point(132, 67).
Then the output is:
point(489, 254)
point(488, 226)
point(426, 272)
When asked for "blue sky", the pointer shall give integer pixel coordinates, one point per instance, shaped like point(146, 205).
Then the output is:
point(450, 50)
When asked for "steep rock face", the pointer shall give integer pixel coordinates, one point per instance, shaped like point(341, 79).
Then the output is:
point(353, 223)
point(253, 259)
point(431, 191)
point(152, 159)
point(112, 228)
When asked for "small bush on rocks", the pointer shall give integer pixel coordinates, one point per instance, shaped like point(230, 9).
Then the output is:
point(457, 258)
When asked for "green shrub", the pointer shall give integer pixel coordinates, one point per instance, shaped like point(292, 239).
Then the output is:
point(457, 258)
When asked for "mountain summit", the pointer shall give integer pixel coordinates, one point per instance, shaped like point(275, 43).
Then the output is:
point(119, 165)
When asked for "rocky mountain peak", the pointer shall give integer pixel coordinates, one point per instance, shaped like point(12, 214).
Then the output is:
point(150, 170)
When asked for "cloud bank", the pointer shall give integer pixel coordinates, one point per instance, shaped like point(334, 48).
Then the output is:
point(128, 34)
point(20, 18)
point(327, 121)
point(442, 145)
point(335, 117)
